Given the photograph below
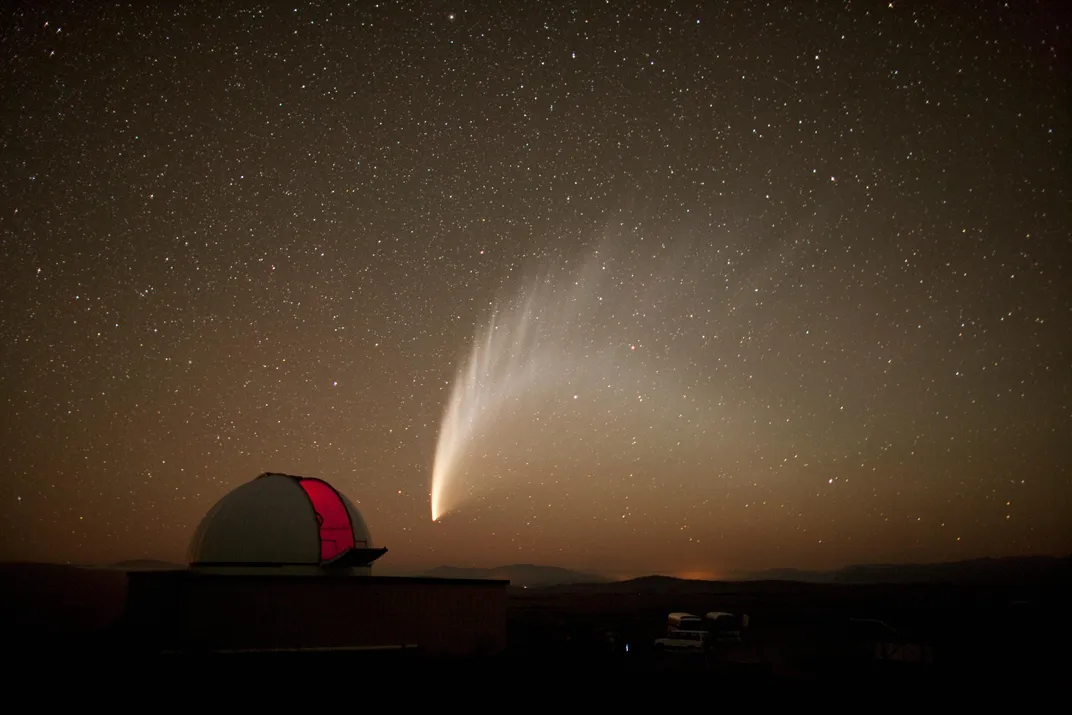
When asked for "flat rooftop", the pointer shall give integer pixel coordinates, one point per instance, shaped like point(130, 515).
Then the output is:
point(301, 578)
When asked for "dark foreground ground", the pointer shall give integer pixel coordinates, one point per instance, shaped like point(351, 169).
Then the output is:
point(1008, 636)
point(800, 633)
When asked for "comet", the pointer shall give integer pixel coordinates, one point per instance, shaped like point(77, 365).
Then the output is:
point(572, 332)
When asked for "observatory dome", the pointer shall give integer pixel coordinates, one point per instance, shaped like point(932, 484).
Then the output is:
point(280, 521)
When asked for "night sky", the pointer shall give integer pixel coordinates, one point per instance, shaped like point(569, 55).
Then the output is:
point(742, 285)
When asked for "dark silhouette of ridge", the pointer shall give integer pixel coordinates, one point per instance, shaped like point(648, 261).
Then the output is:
point(649, 585)
point(983, 570)
point(969, 572)
point(521, 575)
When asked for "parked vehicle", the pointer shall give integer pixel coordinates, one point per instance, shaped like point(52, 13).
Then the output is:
point(684, 632)
point(872, 639)
point(684, 622)
point(724, 627)
point(683, 641)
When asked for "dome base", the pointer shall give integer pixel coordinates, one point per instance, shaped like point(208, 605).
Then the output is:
point(312, 570)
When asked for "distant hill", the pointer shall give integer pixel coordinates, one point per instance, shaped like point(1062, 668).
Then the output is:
point(648, 585)
point(984, 570)
point(1028, 569)
point(524, 575)
point(796, 575)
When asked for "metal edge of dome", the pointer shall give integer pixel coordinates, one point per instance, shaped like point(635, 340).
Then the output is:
point(278, 474)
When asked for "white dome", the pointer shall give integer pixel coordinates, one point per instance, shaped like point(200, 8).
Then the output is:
point(280, 520)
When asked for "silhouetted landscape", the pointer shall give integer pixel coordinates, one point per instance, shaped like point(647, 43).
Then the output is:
point(970, 571)
point(993, 617)
point(984, 571)
point(519, 575)
point(960, 621)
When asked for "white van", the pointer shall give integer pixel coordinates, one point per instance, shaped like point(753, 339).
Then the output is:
point(684, 641)
point(684, 632)
point(683, 622)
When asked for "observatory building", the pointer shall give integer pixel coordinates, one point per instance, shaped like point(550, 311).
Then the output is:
point(283, 524)
point(283, 563)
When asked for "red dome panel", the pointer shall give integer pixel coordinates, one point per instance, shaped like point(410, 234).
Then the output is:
point(336, 532)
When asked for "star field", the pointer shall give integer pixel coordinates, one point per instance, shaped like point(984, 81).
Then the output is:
point(816, 256)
